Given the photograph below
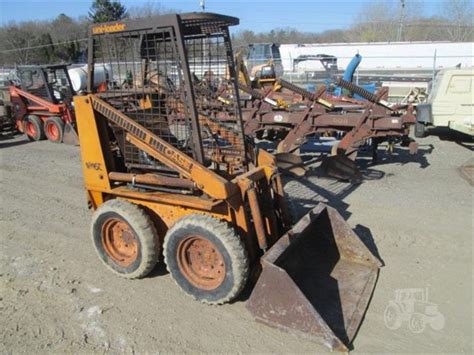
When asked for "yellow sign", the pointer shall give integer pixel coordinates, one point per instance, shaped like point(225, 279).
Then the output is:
point(116, 27)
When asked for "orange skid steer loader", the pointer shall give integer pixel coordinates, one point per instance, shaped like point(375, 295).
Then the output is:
point(199, 192)
point(42, 103)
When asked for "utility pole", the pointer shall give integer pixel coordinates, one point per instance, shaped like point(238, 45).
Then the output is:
point(402, 19)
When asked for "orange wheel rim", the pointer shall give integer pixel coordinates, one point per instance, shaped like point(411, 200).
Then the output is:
point(53, 131)
point(201, 262)
point(30, 129)
point(119, 242)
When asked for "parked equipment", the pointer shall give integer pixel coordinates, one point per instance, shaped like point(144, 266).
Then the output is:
point(289, 114)
point(450, 103)
point(42, 103)
point(7, 124)
point(161, 174)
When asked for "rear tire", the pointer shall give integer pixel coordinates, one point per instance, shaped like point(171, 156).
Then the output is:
point(206, 258)
point(125, 239)
point(392, 317)
point(33, 128)
point(54, 129)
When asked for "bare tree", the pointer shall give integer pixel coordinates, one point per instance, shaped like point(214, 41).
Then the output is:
point(375, 22)
point(460, 15)
point(383, 21)
point(149, 9)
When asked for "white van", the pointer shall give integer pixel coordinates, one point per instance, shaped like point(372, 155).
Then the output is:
point(450, 103)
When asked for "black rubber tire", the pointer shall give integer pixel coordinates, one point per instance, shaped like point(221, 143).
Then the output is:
point(420, 130)
point(59, 123)
point(38, 123)
point(143, 229)
point(228, 244)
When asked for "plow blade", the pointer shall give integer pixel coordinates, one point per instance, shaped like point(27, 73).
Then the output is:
point(341, 167)
point(290, 163)
point(70, 136)
point(316, 281)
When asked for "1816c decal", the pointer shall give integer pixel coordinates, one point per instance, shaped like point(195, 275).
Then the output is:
point(93, 166)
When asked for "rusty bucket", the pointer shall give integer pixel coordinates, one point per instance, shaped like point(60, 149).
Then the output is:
point(316, 281)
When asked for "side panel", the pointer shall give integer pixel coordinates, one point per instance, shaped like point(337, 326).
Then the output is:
point(453, 104)
point(94, 168)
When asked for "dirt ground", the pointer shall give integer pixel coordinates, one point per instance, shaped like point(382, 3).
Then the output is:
point(55, 295)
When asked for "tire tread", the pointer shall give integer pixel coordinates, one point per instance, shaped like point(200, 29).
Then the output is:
point(233, 244)
point(150, 252)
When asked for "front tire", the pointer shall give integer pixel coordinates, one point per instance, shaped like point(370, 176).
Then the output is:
point(417, 324)
point(206, 258)
point(54, 129)
point(125, 239)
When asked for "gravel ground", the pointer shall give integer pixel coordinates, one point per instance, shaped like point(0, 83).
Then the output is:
point(55, 296)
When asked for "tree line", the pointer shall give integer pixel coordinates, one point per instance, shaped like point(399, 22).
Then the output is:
point(383, 21)
point(63, 39)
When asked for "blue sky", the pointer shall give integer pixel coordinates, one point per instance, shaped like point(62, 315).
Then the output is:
point(256, 15)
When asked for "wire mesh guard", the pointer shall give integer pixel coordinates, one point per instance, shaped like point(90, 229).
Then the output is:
point(148, 85)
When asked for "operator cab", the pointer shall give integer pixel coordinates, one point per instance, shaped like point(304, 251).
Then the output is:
point(51, 83)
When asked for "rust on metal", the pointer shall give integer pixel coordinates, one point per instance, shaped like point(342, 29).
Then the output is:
point(257, 218)
point(119, 242)
point(341, 167)
point(201, 262)
point(152, 179)
point(291, 163)
point(413, 148)
point(316, 281)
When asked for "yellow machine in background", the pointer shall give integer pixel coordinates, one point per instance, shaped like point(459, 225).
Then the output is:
point(163, 177)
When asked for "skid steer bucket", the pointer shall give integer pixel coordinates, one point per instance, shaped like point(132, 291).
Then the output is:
point(316, 281)
point(70, 136)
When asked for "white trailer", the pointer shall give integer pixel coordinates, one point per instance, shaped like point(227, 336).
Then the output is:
point(382, 56)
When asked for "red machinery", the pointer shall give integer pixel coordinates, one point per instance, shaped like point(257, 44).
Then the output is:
point(42, 103)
